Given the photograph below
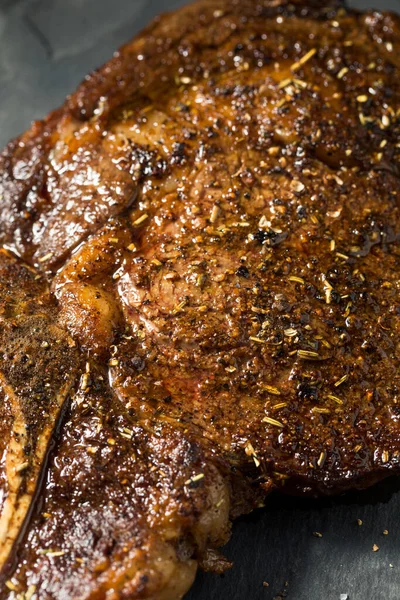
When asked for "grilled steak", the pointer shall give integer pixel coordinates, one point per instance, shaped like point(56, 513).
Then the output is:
point(215, 214)
point(38, 368)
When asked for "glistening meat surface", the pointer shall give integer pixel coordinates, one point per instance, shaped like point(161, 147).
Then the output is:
point(215, 214)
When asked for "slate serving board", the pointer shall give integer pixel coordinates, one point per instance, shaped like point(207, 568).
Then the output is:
point(46, 48)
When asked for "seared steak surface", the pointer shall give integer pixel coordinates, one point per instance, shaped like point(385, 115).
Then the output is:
point(211, 224)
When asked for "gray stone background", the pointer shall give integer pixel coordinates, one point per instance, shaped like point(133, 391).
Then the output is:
point(46, 48)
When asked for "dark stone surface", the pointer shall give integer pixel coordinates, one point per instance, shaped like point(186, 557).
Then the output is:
point(46, 48)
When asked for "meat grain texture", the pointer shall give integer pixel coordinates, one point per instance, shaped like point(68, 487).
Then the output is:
point(200, 294)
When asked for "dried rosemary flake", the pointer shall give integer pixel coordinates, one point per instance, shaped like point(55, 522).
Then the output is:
point(342, 72)
point(249, 449)
point(30, 592)
point(156, 262)
point(307, 354)
point(341, 380)
point(328, 294)
point(140, 219)
point(278, 475)
point(357, 448)
point(296, 279)
point(45, 257)
point(194, 478)
point(52, 553)
point(300, 83)
point(284, 83)
point(200, 279)
point(214, 213)
point(84, 381)
point(179, 307)
point(279, 406)
point(302, 61)
point(258, 340)
point(321, 411)
point(271, 390)
point(335, 399)
point(11, 586)
point(125, 433)
point(272, 422)
point(321, 459)
point(347, 311)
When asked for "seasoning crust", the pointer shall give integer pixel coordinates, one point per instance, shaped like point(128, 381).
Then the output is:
point(216, 214)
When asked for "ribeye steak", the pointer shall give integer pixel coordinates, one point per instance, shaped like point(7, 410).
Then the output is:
point(199, 294)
